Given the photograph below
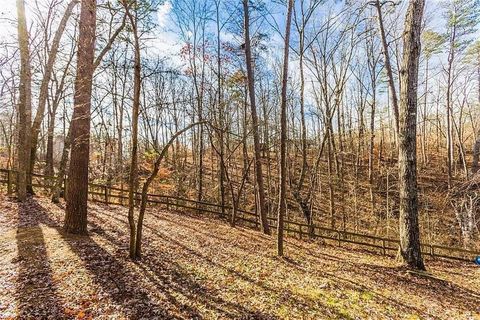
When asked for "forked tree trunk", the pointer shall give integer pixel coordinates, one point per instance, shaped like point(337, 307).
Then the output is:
point(410, 252)
point(143, 203)
point(49, 170)
point(304, 202)
point(77, 185)
point(43, 95)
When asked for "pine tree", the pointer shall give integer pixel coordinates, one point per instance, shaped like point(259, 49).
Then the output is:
point(77, 187)
point(410, 251)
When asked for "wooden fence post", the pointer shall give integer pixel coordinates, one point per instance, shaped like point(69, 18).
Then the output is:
point(9, 182)
point(65, 187)
point(136, 196)
point(105, 191)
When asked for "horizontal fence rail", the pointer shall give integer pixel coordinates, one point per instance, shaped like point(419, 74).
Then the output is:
point(118, 196)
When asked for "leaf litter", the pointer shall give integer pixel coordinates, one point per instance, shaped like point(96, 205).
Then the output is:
point(197, 267)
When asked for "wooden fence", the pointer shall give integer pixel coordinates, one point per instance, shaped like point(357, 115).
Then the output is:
point(113, 195)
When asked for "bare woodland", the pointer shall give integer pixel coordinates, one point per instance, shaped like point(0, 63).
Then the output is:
point(356, 116)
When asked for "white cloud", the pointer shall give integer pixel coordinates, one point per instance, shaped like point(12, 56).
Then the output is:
point(163, 13)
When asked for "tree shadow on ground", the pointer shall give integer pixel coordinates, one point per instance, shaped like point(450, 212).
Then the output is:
point(168, 290)
point(284, 296)
point(173, 280)
point(427, 286)
point(122, 285)
point(36, 290)
point(431, 288)
point(422, 285)
point(174, 290)
point(159, 269)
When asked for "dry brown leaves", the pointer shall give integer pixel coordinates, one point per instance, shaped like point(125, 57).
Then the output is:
point(198, 267)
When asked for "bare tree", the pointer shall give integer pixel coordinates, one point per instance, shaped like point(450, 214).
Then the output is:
point(283, 174)
point(255, 125)
point(301, 21)
point(144, 195)
point(43, 95)
point(133, 176)
point(462, 17)
point(388, 66)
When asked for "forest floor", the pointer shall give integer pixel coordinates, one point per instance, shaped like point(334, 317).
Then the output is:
point(196, 267)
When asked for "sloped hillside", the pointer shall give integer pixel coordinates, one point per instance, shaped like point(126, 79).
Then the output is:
point(197, 267)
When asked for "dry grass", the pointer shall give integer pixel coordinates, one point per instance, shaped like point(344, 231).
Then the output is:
point(197, 267)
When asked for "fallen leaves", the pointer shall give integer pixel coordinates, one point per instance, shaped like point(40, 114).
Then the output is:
point(199, 267)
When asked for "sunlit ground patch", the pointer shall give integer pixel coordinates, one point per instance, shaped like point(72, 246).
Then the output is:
point(198, 267)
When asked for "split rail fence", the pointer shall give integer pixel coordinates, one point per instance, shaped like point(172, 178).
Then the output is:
point(118, 196)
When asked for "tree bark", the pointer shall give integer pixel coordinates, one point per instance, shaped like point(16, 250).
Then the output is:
point(43, 95)
point(24, 105)
point(388, 66)
point(133, 176)
point(282, 206)
point(256, 140)
point(77, 189)
point(59, 180)
point(476, 154)
point(410, 252)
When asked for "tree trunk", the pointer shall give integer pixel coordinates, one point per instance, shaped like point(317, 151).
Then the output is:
point(303, 202)
point(146, 185)
point(77, 190)
point(410, 252)
point(372, 150)
point(476, 154)
point(43, 95)
point(57, 188)
point(50, 131)
point(388, 66)
point(424, 122)
point(221, 108)
point(255, 126)
point(24, 105)
point(133, 176)
point(451, 58)
point(282, 206)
